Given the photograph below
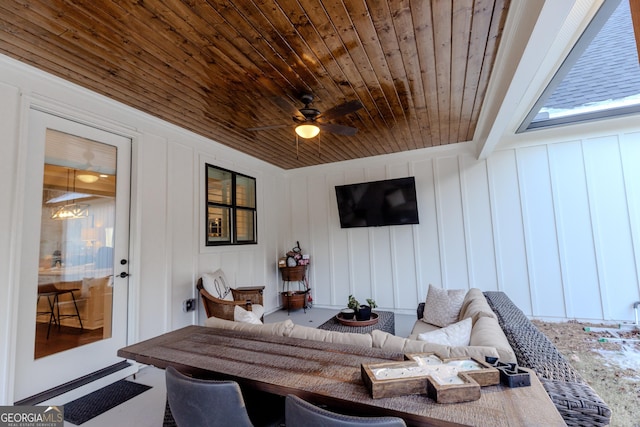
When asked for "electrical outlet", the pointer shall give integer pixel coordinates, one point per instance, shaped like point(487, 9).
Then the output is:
point(189, 305)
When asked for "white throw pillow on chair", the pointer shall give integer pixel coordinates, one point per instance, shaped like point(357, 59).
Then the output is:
point(217, 285)
point(258, 310)
point(244, 316)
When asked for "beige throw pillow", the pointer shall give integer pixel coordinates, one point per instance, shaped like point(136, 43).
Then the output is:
point(442, 306)
point(475, 305)
point(280, 329)
point(457, 334)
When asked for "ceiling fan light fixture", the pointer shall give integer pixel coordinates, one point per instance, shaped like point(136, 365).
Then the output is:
point(87, 178)
point(73, 210)
point(307, 131)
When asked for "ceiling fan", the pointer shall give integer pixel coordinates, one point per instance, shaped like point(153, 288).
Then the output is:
point(308, 121)
point(88, 173)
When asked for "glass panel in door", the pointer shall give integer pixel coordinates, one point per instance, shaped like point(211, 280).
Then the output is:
point(75, 272)
point(72, 313)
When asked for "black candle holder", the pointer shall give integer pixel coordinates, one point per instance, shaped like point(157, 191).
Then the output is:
point(511, 375)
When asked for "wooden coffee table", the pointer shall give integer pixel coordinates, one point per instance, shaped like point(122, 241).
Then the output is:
point(329, 374)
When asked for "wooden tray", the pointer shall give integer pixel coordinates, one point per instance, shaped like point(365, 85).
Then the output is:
point(466, 389)
point(354, 322)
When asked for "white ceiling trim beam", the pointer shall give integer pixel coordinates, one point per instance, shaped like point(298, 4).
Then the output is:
point(554, 33)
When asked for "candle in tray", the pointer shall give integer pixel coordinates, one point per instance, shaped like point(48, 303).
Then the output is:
point(403, 372)
point(447, 380)
point(465, 365)
point(444, 371)
point(428, 360)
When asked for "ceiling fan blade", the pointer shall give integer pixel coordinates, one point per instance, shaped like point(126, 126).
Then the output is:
point(341, 110)
point(338, 129)
point(268, 127)
point(288, 107)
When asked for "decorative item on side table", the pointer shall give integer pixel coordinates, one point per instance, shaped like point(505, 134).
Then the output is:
point(347, 313)
point(293, 268)
point(511, 375)
point(362, 313)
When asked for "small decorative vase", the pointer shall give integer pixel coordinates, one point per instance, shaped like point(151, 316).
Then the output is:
point(347, 313)
point(364, 313)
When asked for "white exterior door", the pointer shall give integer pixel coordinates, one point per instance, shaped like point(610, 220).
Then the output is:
point(72, 312)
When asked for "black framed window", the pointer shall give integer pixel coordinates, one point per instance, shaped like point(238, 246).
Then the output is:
point(231, 207)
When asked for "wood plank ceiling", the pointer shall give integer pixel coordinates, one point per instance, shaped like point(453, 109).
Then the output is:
point(420, 68)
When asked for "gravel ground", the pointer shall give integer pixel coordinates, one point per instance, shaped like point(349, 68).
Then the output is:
point(608, 358)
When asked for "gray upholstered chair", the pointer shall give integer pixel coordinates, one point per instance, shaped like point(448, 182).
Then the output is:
point(205, 403)
point(300, 413)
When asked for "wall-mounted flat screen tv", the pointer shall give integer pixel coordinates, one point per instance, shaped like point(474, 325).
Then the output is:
point(378, 203)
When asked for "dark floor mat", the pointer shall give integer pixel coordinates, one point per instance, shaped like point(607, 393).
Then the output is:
point(87, 407)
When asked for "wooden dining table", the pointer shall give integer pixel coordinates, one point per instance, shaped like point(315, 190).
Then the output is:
point(330, 374)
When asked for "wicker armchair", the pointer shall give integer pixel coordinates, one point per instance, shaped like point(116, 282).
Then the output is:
point(223, 309)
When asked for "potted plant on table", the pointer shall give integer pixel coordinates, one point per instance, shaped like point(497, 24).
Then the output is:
point(362, 312)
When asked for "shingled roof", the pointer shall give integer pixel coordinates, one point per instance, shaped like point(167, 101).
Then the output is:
point(607, 70)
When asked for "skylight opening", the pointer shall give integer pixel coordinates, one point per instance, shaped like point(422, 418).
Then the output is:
point(600, 78)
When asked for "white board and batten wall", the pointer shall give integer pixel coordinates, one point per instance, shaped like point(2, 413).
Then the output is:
point(167, 254)
point(555, 225)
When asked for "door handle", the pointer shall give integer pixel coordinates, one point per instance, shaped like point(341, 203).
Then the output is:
point(124, 274)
